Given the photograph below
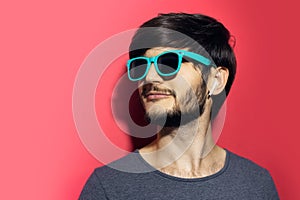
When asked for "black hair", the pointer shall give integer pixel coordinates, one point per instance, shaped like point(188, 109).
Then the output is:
point(196, 32)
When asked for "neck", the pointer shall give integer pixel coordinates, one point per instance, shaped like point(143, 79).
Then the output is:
point(188, 151)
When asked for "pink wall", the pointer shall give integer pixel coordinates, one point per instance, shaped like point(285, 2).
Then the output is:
point(43, 45)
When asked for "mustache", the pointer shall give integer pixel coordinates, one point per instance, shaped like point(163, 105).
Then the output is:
point(154, 88)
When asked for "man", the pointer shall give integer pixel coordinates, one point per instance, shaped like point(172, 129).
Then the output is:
point(184, 67)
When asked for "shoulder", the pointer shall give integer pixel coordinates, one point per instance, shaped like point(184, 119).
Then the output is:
point(242, 165)
point(129, 169)
point(129, 164)
point(250, 175)
point(116, 178)
point(111, 177)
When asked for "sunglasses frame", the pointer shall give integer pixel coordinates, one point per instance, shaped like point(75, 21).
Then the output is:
point(181, 53)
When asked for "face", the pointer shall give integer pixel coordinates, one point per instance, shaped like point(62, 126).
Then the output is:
point(171, 101)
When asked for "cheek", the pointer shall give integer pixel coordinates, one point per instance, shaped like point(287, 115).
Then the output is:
point(191, 75)
point(139, 89)
point(190, 85)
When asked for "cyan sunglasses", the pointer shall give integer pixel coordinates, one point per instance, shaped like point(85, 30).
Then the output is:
point(167, 63)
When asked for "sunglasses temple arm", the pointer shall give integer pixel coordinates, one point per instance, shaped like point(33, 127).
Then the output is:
point(198, 58)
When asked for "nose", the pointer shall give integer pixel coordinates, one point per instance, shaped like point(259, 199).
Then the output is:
point(152, 75)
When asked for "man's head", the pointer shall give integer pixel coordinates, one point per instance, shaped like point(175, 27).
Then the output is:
point(185, 92)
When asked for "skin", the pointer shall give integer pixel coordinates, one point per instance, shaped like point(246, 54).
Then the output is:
point(188, 150)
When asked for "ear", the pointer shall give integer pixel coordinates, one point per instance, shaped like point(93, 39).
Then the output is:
point(220, 77)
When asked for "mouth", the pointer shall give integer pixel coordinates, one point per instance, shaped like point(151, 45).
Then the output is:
point(153, 96)
point(152, 92)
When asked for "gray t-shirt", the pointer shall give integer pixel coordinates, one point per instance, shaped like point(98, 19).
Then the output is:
point(239, 179)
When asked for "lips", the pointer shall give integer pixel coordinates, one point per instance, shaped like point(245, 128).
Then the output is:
point(153, 92)
point(150, 96)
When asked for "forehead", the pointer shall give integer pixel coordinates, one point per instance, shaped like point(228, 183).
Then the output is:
point(157, 50)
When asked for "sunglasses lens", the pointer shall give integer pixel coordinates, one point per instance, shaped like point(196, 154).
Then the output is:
point(137, 68)
point(168, 63)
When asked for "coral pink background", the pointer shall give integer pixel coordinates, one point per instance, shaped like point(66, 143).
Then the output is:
point(43, 44)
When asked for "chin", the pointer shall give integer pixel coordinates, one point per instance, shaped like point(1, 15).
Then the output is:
point(156, 112)
point(162, 116)
point(159, 107)
point(173, 116)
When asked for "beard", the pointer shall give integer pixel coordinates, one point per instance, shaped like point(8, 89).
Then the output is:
point(187, 108)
